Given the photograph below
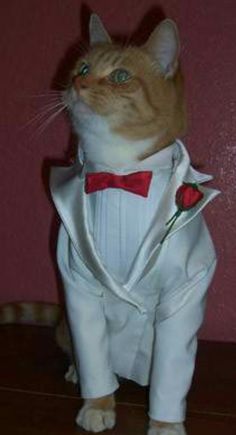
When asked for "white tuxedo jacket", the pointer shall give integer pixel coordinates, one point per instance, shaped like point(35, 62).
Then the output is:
point(134, 304)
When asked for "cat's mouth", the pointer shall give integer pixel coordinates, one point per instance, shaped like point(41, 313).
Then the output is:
point(76, 103)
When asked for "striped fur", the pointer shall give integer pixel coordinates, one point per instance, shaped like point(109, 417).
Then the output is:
point(30, 313)
point(39, 314)
point(149, 107)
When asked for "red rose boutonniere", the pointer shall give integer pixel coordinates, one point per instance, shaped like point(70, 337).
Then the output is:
point(187, 196)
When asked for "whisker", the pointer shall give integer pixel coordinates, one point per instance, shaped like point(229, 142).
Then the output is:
point(52, 95)
point(52, 105)
point(44, 112)
point(62, 85)
point(43, 127)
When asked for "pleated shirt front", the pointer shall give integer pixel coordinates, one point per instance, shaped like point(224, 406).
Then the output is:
point(119, 220)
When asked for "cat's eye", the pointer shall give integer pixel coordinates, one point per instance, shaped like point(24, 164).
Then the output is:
point(84, 69)
point(119, 76)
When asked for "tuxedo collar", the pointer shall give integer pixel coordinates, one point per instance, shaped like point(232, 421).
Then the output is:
point(164, 159)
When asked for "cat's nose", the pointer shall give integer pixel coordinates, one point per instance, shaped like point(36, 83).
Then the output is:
point(80, 83)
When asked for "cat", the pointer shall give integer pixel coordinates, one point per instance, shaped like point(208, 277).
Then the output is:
point(135, 295)
point(134, 288)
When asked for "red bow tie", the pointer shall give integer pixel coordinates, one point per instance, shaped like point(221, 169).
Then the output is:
point(137, 182)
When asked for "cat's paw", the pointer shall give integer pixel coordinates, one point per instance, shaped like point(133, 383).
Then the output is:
point(166, 429)
point(71, 375)
point(96, 420)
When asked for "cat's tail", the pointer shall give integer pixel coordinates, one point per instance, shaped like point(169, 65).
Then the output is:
point(30, 313)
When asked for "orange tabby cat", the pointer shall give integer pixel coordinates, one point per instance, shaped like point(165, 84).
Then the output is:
point(126, 104)
point(127, 108)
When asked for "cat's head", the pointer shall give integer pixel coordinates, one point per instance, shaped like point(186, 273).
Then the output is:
point(128, 95)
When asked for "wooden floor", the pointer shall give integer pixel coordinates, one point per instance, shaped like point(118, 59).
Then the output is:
point(35, 399)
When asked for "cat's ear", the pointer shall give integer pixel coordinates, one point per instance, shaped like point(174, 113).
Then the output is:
point(164, 47)
point(97, 31)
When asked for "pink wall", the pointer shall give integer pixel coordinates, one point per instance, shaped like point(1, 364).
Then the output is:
point(35, 37)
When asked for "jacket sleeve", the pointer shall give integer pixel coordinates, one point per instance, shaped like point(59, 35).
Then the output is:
point(174, 353)
point(87, 322)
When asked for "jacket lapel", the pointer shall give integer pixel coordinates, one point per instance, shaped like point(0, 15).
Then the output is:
point(151, 246)
point(67, 189)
